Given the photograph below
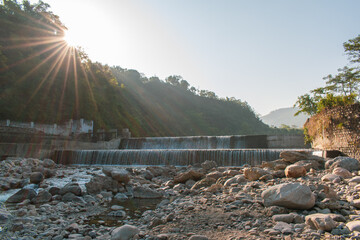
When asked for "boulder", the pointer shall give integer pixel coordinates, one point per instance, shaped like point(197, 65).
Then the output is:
point(235, 180)
point(42, 197)
point(254, 173)
point(289, 195)
point(70, 197)
point(183, 177)
point(36, 177)
point(348, 163)
point(206, 182)
point(354, 226)
point(22, 195)
point(294, 156)
point(308, 164)
point(320, 221)
point(355, 179)
point(330, 177)
point(107, 171)
point(48, 163)
point(145, 192)
point(72, 188)
point(101, 183)
point(279, 164)
point(208, 165)
point(216, 175)
point(294, 171)
point(342, 172)
point(125, 232)
point(157, 171)
point(121, 175)
point(49, 173)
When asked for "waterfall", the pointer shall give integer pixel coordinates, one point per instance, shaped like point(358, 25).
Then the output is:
point(177, 157)
point(178, 151)
point(195, 142)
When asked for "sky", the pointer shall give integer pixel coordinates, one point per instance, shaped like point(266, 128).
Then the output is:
point(265, 52)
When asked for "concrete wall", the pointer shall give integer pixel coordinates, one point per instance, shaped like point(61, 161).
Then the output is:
point(66, 129)
point(286, 141)
point(45, 149)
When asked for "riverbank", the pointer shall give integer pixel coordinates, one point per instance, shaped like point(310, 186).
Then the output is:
point(299, 196)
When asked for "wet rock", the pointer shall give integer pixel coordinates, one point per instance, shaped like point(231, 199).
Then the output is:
point(36, 177)
point(320, 221)
point(42, 197)
point(348, 163)
point(121, 175)
point(192, 174)
point(289, 195)
point(145, 192)
point(22, 195)
point(342, 172)
point(125, 232)
point(254, 173)
point(71, 188)
point(294, 171)
point(206, 182)
point(208, 165)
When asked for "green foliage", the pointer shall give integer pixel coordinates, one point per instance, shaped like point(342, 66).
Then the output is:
point(330, 101)
point(352, 49)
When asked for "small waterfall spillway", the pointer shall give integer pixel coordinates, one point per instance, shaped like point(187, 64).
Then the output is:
point(178, 151)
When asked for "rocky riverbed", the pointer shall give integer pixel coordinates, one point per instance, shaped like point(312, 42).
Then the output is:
point(299, 196)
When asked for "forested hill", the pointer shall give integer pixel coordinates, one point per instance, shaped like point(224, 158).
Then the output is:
point(42, 79)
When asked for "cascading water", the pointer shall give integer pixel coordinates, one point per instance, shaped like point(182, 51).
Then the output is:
point(183, 157)
point(179, 151)
point(195, 142)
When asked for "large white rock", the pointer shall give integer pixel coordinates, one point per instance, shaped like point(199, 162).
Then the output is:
point(125, 232)
point(289, 195)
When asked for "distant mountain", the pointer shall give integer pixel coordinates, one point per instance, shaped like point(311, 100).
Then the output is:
point(285, 116)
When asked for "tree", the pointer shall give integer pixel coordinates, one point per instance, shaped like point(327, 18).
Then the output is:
point(174, 80)
point(184, 84)
point(352, 49)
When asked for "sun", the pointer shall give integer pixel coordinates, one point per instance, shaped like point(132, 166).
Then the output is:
point(72, 38)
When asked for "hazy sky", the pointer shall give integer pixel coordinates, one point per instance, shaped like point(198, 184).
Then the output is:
point(265, 52)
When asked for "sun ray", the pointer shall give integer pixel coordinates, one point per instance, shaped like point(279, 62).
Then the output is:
point(31, 56)
point(42, 63)
point(66, 77)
